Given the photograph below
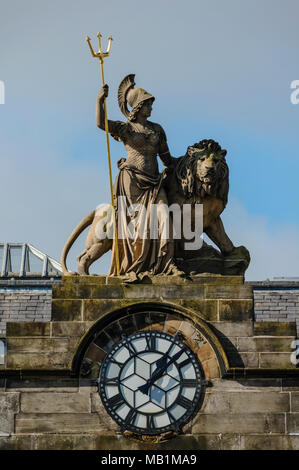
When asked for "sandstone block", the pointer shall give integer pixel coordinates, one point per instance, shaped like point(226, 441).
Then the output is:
point(28, 328)
point(54, 402)
point(31, 361)
point(263, 344)
point(66, 310)
point(278, 360)
point(292, 422)
point(37, 345)
point(206, 309)
point(235, 310)
point(268, 328)
point(58, 423)
point(227, 328)
point(239, 423)
point(295, 401)
point(228, 292)
point(70, 329)
point(266, 442)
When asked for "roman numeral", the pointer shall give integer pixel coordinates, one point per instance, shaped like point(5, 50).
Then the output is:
point(130, 418)
point(115, 401)
point(189, 383)
point(184, 402)
point(150, 342)
point(150, 422)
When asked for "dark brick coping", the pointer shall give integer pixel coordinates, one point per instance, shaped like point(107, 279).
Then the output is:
point(29, 282)
point(273, 284)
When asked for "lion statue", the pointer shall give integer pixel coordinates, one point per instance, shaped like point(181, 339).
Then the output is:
point(201, 176)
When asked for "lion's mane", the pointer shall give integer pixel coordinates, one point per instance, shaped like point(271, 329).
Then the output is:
point(190, 185)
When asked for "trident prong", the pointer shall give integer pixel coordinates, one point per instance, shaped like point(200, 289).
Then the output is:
point(90, 47)
point(100, 45)
point(100, 54)
point(110, 39)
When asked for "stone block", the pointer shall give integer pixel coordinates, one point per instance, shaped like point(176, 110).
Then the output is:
point(205, 353)
point(94, 309)
point(261, 385)
point(105, 292)
point(28, 328)
point(246, 359)
point(9, 401)
point(64, 442)
point(9, 406)
point(295, 401)
point(230, 441)
point(17, 443)
point(91, 279)
point(185, 442)
point(146, 291)
point(270, 328)
point(256, 402)
point(206, 309)
point(54, 402)
point(276, 361)
point(66, 310)
point(235, 310)
point(292, 423)
point(228, 292)
point(229, 328)
point(37, 345)
point(45, 361)
point(211, 369)
point(70, 329)
point(216, 402)
point(239, 423)
point(58, 423)
point(265, 344)
point(267, 442)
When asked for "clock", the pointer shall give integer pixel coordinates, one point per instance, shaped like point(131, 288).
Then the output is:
point(151, 382)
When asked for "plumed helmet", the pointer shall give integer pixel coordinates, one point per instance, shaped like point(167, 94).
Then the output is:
point(133, 96)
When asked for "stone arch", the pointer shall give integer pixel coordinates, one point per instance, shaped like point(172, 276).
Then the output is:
point(160, 316)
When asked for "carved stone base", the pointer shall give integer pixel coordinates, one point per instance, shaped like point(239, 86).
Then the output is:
point(210, 260)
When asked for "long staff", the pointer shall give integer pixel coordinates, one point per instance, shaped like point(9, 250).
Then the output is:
point(101, 55)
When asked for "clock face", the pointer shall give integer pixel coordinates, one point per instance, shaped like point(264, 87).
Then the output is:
point(150, 382)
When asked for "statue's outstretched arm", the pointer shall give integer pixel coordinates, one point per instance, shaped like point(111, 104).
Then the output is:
point(116, 128)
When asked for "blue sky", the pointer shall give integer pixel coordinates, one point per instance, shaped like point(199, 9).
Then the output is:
point(218, 70)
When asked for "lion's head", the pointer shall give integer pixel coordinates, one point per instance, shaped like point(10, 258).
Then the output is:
point(203, 171)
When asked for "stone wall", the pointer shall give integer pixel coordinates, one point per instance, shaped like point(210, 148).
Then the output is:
point(56, 413)
point(24, 300)
point(250, 403)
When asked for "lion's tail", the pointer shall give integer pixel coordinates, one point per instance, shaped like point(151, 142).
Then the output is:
point(72, 238)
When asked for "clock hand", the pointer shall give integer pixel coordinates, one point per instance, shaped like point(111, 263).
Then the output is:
point(159, 372)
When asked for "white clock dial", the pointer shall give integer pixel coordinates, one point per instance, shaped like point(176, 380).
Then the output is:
point(150, 382)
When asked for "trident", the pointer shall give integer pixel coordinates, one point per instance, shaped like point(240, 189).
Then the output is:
point(101, 55)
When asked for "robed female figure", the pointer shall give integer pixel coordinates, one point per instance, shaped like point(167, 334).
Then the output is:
point(139, 185)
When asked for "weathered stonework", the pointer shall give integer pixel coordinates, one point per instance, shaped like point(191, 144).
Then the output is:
point(251, 400)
